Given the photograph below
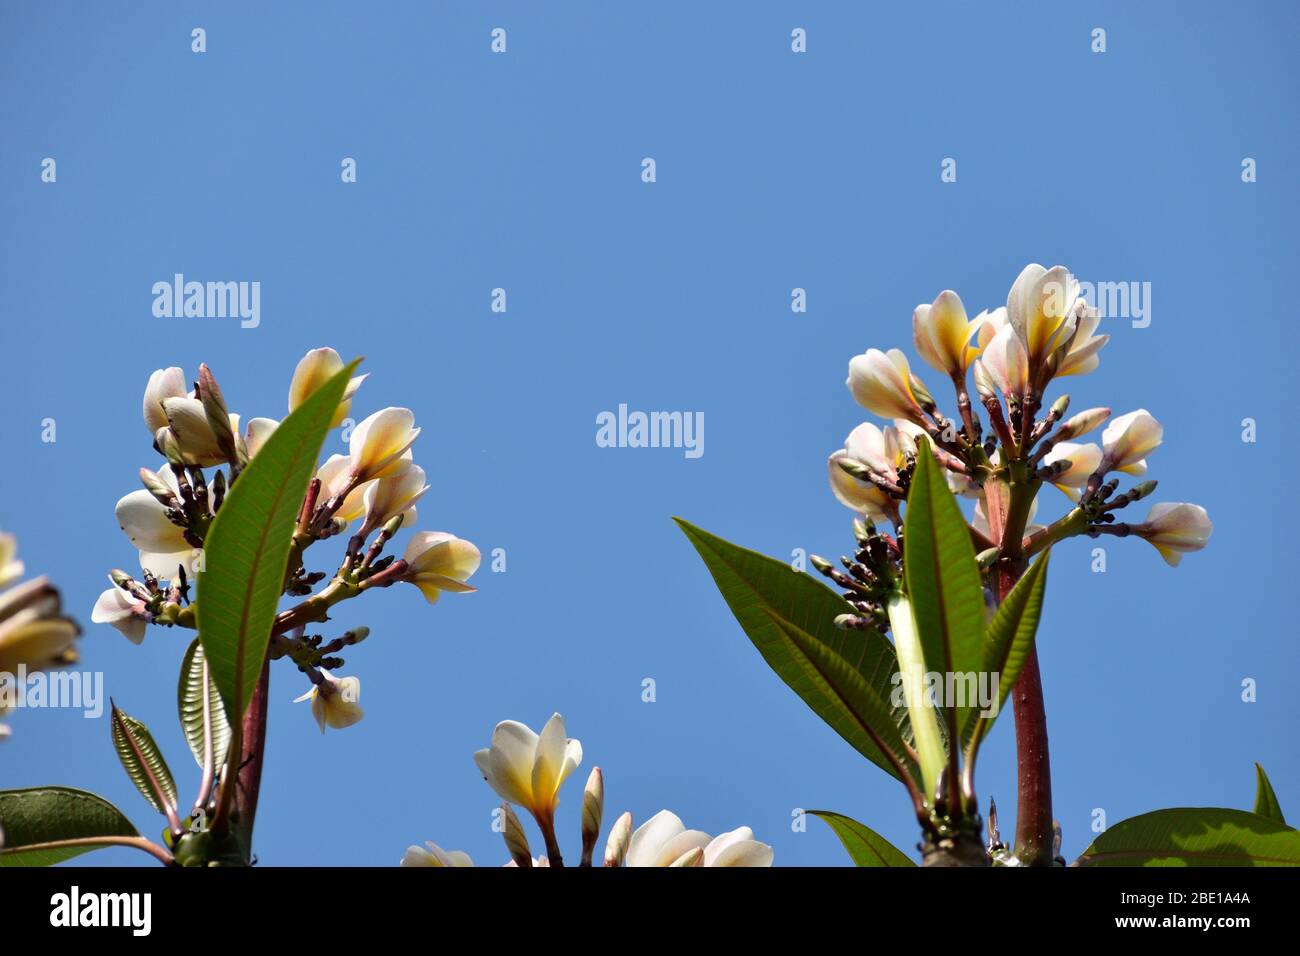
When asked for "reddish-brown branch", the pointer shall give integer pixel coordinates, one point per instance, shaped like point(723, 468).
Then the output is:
point(250, 763)
point(1033, 843)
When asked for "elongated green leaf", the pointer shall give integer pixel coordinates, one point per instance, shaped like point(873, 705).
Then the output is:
point(943, 583)
point(34, 819)
point(143, 761)
point(202, 716)
point(865, 845)
point(246, 552)
point(1010, 636)
point(771, 601)
point(830, 677)
point(1266, 804)
point(1195, 836)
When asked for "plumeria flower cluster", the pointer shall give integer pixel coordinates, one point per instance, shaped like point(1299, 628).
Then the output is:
point(363, 497)
point(35, 634)
point(1046, 331)
point(526, 769)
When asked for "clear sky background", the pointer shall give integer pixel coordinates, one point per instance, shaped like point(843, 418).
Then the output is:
point(775, 171)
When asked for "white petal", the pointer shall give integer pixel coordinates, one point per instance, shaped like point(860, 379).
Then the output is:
point(650, 837)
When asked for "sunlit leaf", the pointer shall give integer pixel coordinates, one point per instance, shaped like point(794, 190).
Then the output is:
point(36, 820)
point(772, 602)
point(246, 552)
point(1195, 836)
point(866, 847)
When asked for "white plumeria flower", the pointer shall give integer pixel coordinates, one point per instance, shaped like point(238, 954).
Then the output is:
point(379, 442)
point(1042, 307)
point(527, 769)
point(1175, 528)
point(1084, 460)
point(1005, 362)
point(881, 450)
point(664, 840)
point(315, 369)
point(161, 543)
point(335, 476)
point(386, 498)
point(335, 702)
point(259, 430)
point(882, 383)
point(123, 611)
point(435, 856)
point(1128, 440)
point(164, 383)
point(11, 569)
point(33, 630)
point(439, 561)
point(942, 334)
point(537, 861)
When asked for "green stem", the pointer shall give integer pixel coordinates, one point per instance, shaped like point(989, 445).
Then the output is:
point(139, 843)
point(1076, 522)
point(911, 664)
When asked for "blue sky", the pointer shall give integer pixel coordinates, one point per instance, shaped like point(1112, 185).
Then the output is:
point(774, 170)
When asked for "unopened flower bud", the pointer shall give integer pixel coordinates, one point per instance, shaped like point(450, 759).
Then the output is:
point(1082, 423)
point(158, 488)
point(1142, 489)
point(121, 578)
point(1060, 406)
point(593, 806)
point(165, 441)
point(516, 839)
point(923, 396)
point(821, 564)
point(619, 837)
point(214, 406)
point(853, 467)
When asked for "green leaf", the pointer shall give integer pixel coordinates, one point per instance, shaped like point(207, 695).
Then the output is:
point(1010, 636)
point(202, 717)
point(943, 583)
point(1195, 836)
point(773, 603)
point(865, 845)
point(1266, 804)
point(246, 553)
point(831, 678)
point(143, 761)
point(35, 818)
